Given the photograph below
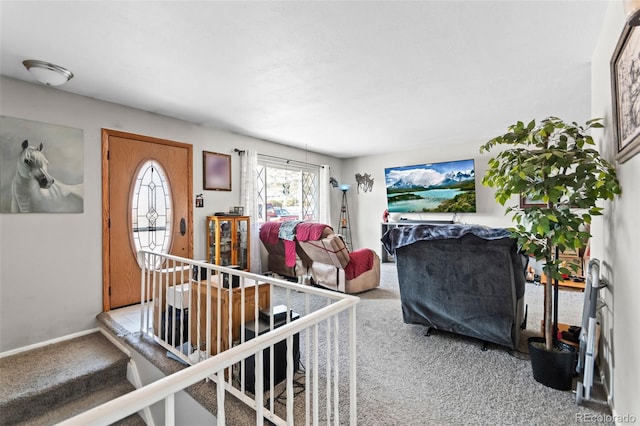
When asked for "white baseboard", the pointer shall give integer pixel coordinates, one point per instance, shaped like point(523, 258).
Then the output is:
point(605, 384)
point(47, 342)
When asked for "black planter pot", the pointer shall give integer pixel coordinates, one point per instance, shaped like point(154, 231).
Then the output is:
point(552, 368)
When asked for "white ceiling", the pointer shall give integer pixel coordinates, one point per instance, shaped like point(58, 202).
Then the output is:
point(345, 78)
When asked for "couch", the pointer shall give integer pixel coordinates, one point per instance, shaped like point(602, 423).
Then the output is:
point(468, 280)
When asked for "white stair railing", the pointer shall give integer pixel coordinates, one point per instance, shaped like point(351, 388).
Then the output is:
point(311, 326)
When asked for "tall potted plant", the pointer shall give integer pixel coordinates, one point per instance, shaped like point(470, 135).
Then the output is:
point(555, 164)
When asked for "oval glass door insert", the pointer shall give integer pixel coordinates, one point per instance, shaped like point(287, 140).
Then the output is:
point(151, 210)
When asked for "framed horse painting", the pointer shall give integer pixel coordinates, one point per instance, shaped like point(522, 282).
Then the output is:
point(42, 167)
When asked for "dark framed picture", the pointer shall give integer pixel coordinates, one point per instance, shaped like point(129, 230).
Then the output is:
point(216, 173)
point(529, 202)
point(625, 92)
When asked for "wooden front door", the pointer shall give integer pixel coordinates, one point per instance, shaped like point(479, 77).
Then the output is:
point(124, 155)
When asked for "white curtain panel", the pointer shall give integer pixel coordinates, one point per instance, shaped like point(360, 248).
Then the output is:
point(324, 196)
point(249, 164)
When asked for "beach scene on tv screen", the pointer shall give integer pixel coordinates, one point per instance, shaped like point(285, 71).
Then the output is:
point(437, 187)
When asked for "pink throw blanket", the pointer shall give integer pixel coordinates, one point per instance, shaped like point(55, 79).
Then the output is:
point(269, 232)
point(269, 235)
point(309, 231)
point(359, 261)
point(289, 253)
point(305, 231)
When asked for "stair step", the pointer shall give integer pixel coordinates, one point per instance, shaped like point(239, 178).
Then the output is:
point(86, 402)
point(43, 379)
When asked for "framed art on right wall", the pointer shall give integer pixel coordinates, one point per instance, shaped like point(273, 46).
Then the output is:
point(528, 202)
point(625, 91)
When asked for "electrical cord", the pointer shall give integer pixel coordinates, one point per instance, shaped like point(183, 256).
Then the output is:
point(297, 384)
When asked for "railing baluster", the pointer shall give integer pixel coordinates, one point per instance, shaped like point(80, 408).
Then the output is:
point(220, 388)
point(290, 378)
point(156, 315)
point(170, 410)
point(272, 398)
point(198, 319)
point(229, 313)
point(328, 369)
point(258, 388)
point(163, 302)
point(163, 273)
point(143, 295)
point(307, 375)
point(171, 279)
point(189, 292)
point(290, 375)
point(218, 314)
point(242, 317)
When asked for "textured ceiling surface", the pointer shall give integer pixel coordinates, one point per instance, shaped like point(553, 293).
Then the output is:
point(343, 78)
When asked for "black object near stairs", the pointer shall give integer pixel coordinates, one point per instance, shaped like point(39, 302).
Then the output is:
point(46, 385)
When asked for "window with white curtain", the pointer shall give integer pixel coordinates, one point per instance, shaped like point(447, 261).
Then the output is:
point(286, 190)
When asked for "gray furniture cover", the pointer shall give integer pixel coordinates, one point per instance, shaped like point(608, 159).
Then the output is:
point(468, 280)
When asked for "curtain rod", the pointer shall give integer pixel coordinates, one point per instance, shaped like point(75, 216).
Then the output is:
point(241, 151)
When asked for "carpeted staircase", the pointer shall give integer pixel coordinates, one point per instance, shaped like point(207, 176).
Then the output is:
point(49, 384)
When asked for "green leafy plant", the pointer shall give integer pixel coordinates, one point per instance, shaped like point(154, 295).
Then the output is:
point(552, 162)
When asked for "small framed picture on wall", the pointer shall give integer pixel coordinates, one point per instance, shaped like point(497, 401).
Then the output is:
point(216, 173)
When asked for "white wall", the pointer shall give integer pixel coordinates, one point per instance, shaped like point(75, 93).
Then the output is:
point(51, 264)
point(616, 241)
point(366, 208)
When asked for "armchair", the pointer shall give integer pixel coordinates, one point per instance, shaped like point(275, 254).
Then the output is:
point(336, 268)
point(464, 279)
point(276, 253)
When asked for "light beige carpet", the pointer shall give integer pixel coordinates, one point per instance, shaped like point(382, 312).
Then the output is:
point(406, 378)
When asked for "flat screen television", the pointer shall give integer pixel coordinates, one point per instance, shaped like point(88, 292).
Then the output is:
point(432, 188)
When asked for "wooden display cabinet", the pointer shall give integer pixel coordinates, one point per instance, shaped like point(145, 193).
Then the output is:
point(235, 294)
point(228, 241)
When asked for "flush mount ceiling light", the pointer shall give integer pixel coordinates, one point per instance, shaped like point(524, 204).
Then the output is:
point(46, 73)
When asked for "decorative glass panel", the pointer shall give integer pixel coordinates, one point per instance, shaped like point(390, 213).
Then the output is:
point(286, 191)
point(151, 210)
point(309, 195)
point(242, 244)
point(261, 187)
point(226, 243)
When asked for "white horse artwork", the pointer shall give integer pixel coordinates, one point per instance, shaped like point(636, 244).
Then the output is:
point(364, 181)
point(34, 190)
